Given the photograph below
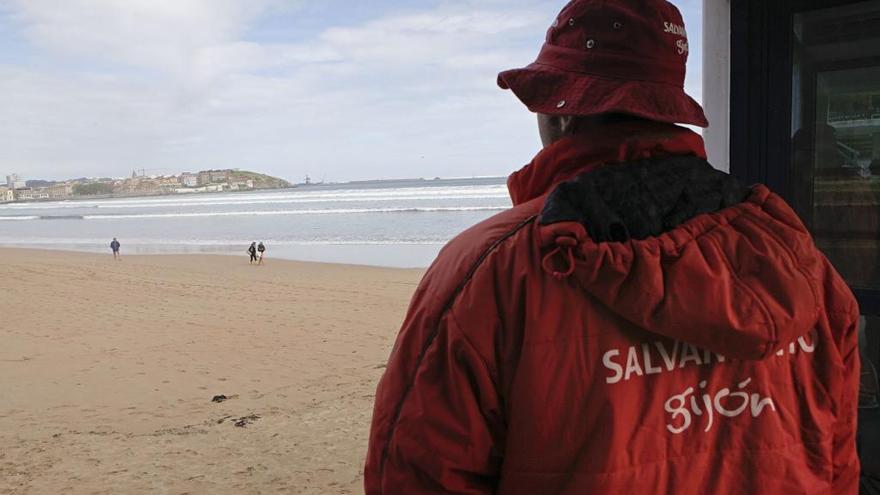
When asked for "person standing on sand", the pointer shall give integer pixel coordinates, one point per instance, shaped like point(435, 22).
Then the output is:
point(638, 322)
point(252, 250)
point(114, 245)
point(262, 249)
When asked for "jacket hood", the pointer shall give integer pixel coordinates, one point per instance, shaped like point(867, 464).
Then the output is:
point(612, 143)
point(687, 252)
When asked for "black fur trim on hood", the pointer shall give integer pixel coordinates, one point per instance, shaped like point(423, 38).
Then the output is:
point(637, 200)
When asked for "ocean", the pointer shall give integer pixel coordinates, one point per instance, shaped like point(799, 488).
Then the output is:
point(382, 223)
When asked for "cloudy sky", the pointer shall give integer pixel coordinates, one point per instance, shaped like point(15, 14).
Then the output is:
point(336, 89)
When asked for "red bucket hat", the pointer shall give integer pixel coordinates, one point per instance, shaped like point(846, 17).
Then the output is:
point(611, 56)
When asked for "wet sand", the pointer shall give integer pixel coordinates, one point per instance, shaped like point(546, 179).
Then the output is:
point(108, 370)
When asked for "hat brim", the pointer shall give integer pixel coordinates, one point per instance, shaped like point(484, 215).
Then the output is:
point(548, 90)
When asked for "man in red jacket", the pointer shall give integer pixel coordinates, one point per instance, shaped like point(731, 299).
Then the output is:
point(638, 322)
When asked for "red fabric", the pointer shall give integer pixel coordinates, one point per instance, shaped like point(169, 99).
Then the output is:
point(611, 56)
point(619, 143)
point(535, 361)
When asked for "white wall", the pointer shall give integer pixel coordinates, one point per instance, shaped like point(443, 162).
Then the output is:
point(716, 81)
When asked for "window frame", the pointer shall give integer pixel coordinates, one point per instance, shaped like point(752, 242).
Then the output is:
point(761, 42)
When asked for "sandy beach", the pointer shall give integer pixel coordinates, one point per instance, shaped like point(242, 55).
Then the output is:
point(108, 370)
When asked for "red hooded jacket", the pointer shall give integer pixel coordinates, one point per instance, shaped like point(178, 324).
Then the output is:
point(718, 356)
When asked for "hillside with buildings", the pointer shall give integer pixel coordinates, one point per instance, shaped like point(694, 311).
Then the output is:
point(139, 184)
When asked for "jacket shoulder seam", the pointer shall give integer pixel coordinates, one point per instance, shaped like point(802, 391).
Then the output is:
point(757, 300)
point(431, 338)
point(795, 259)
point(467, 340)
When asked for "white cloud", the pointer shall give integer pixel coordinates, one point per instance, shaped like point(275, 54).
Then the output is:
point(190, 40)
point(182, 84)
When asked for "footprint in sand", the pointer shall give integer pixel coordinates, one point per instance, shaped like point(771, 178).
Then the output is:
point(246, 420)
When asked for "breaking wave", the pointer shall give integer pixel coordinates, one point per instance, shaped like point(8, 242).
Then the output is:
point(335, 211)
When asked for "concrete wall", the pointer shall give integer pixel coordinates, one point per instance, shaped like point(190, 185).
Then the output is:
point(716, 81)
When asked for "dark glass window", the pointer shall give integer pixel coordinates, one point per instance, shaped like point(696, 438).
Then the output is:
point(835, 179)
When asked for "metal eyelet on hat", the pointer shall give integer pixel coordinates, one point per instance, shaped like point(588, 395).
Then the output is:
point(617, 26)
point(560, 104)
point(591, 43)
point(571, 22)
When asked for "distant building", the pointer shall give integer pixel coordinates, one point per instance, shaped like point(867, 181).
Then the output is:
point(213, 176)
point(10, 195)
point(30, 194)
point(58, 191)
point(131, 185)
point(189, 180)
point(241, 185)
point(147, 186)
point(204, 178)
point(13, 181)
point(168, 182)
point(219, 175)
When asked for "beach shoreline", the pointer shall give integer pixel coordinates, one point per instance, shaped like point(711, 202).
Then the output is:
point(108, 371)
point(400, 224)
point(397, 256)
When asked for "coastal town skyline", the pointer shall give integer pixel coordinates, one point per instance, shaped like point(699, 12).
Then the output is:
point(18, 188)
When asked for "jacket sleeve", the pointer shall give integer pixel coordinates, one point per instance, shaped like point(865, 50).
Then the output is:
point(437, 424)
point(846, 459)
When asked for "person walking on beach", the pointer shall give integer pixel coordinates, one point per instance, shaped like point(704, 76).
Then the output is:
point(261, 248)
point(252, 250)
point(638, 322)
point(114, 246)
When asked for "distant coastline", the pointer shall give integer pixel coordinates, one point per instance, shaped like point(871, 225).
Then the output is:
point(153, 195)
point(383, 223)
point(17, 190)
point(411, 182)
point(148, 187)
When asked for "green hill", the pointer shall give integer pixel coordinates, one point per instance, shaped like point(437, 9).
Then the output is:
point(261, 181)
